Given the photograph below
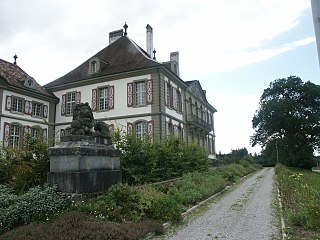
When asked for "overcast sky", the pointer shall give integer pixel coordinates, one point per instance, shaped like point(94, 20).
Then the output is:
point(235, 48)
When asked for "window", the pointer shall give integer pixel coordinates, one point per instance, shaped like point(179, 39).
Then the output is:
point(179, 102)
point(168, 96)
point(71, 101)
point(67, 131)
point(141, 129)
point(35, 132)
point(17, 104)
point(37, 109)
point(170, 129)
point(103, 99)
point(30, 82)
point(140, 93)
point(15, 132)
point(93, 66)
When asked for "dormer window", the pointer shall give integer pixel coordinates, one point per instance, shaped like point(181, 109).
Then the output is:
point(94, 66)
point(29, 82)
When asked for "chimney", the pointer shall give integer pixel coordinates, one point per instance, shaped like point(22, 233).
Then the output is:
point(149, 40)
point(174, 59)
point(115, 35)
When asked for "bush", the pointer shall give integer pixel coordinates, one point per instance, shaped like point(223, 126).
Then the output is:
point(38, 204)
point(7, 196)
point(24, 168)
point(165, 209)
point(144, 161)
point(76, 225)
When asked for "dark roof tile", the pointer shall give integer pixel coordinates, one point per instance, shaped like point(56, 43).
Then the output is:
point(123, 55)
point(13, 74)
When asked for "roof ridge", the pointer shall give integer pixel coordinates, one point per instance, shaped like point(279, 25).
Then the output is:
point(142, 50)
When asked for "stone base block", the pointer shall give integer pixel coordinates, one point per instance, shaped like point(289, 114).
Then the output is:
point(93, 181)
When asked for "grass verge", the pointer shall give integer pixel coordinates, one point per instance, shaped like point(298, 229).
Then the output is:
point(300, 196)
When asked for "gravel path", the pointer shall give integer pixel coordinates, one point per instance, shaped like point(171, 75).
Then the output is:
point(245, 213)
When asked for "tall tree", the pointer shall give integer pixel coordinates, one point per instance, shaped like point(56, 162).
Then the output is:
point(288, 121)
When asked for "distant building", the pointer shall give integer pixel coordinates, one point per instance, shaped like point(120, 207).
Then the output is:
point(26, 107)
point(315, 5)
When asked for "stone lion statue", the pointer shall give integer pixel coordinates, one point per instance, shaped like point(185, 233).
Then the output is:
point(82, 121)
point(102, 131)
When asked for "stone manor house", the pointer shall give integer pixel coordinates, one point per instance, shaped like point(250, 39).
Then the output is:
point(125, 86)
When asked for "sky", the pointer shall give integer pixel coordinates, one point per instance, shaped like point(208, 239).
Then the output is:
point(234, 48)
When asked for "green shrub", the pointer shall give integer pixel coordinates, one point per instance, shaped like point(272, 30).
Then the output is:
point(165, 209)
point(144, 161)
point(7, 196)
point(38, 204)
point(122, 203)
point(24, 168)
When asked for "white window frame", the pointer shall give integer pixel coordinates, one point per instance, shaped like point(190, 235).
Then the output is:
point(103, 99)
point(17, 104)
point(93, 66)
point(141, 129)
point(35, 132)
point(140, 93)
point(15, 135)
point(37, 109)
point(70, 102)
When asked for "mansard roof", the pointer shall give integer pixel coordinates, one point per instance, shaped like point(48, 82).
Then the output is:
point(15, 76)
point(123, 55)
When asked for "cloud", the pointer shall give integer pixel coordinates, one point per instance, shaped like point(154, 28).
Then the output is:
point(53, 37)
point(237, 59)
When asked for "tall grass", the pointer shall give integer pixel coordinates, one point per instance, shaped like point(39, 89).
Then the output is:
point(300, 195)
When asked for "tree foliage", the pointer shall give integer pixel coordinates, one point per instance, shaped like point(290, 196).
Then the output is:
point(287, 122)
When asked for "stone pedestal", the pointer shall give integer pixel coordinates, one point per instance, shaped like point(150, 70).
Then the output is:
point(82, 165)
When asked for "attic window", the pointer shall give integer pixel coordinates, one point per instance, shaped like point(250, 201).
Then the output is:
point(30, 82)
point(93, 66)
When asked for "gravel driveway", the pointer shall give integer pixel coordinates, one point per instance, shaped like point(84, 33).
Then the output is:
point(245, 213)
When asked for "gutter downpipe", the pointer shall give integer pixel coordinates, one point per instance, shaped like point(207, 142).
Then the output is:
point(160, 113)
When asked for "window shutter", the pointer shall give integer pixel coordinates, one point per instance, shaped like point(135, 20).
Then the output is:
point(149, 91)
point(129, 128)
point(166, 93)
point(150, 129)
point(130, 94)
point(26, 107)
point(45, 111)
point(44, 134)
point(63, 105)
point(30, 107)
point(6, 134)
point(111, 97)
point(94, 100)
point(8, 103)
point(78, 97)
